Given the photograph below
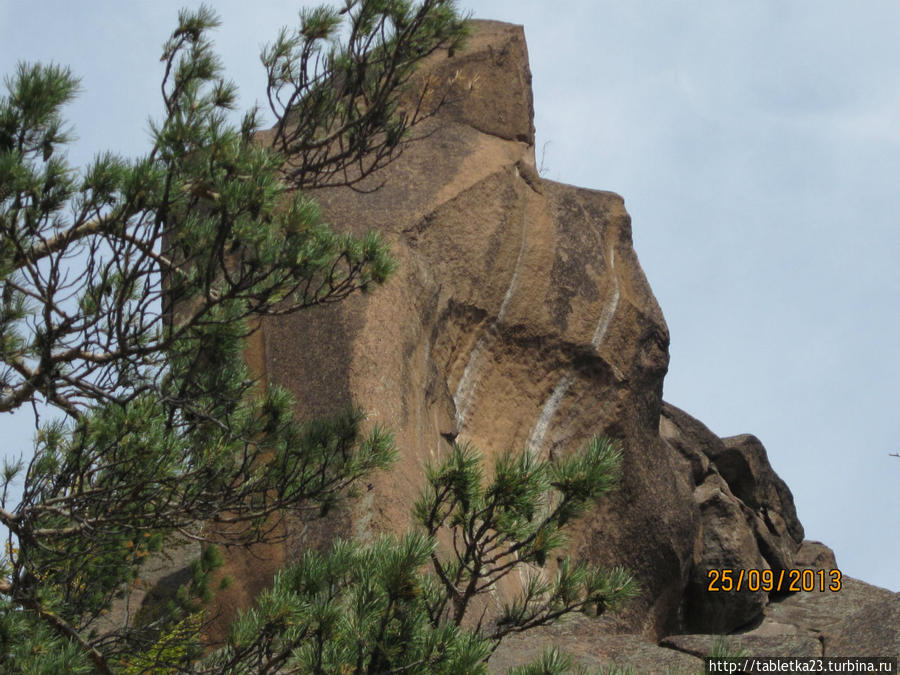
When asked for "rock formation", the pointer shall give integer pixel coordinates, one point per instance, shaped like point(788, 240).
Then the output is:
point(520, 318)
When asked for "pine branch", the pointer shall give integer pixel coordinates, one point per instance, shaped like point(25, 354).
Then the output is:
point(67, 631)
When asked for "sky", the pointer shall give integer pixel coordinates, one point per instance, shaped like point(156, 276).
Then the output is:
point(757, 146)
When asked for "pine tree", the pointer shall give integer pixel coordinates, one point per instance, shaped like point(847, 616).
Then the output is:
point(127, 292)
point(406, 604)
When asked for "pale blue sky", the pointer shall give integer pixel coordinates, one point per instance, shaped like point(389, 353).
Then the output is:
point(757, 146)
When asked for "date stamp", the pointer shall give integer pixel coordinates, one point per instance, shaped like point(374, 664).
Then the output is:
point(783, 581)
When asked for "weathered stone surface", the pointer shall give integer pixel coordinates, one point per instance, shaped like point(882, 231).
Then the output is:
point(520, 318)
point(496, 59)
point(689, 438)
point(744, 465)
point(786, 643)
point(859, 619)
point(727, 545)
point(590, 644)
point(815, 555)
point(747, 514)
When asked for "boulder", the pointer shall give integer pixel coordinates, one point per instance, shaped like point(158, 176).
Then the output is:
point(814, 555)
point(857, 620)
point(727, 547)
point(744, 464)
point(784, 641)
point(747, 515)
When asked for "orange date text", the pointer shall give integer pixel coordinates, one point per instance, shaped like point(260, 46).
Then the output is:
point(781, 581)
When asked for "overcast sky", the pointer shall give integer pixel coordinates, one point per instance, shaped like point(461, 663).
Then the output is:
point(757, 146)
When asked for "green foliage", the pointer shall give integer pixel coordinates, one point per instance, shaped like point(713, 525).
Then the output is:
point(362, 87)
point(28, 645)
point(404, 605)
point(350, 610)
point(127, 293)
point(174, 648)
point(552, 662)
point(516, 519)
point(723, 648)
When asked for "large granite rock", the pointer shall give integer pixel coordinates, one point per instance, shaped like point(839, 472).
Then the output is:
point(858, 620)
point(520, 318)
point(747, 521)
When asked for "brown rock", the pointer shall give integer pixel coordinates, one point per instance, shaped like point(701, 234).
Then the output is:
point(858, 620)
point(589, 644)
point(520, 318)
point(752, 529)
point(787, 643)
point(728, 546)
point(689, 438)
point(744, 465)
point(496, 60)
point(815, 555)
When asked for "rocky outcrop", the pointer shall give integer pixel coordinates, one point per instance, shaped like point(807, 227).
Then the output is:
point(590, 643)
point(747, 521)
point(860, 619)
point(520, 318)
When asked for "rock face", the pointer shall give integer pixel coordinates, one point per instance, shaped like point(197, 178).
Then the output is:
point(520, 318)
point(860, 619)
point(747, 520)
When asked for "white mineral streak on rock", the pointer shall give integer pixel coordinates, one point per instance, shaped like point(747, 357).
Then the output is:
point(515, 277)
point(536, 439)
point(609, 309)
point(468, 383)
point(465, 390)
point(529, 570)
